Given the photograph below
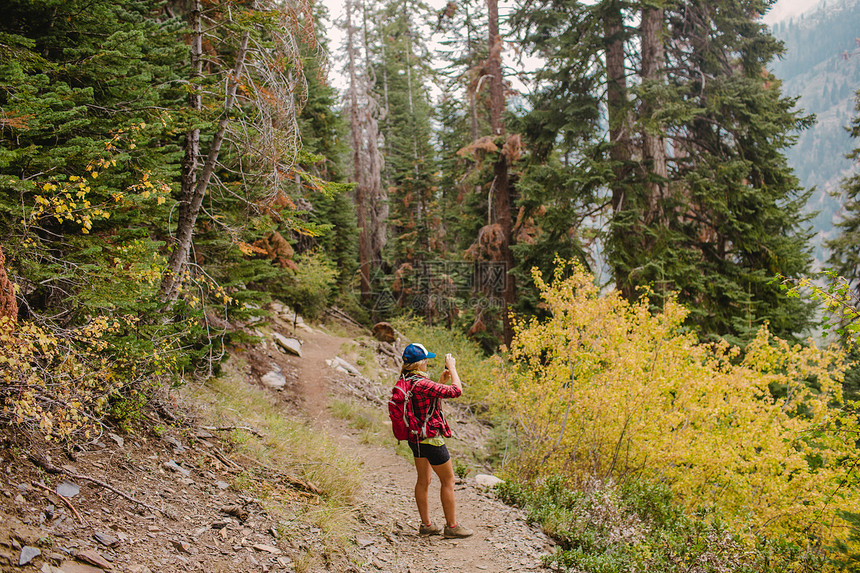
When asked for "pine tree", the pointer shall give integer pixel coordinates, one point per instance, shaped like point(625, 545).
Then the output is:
point(83, 89)
point(845, 248)
point(410, 160)
point(325, 152)
point(702, 200)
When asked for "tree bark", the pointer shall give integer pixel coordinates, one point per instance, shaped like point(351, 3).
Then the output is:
point(195, 102)
point(501, 182)
point(356, 129)
point(8, 302)
point(185, 228)
point(619, 128)
point(377, 194)
point(653, 143)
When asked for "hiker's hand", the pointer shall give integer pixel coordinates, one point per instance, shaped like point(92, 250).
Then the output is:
point(446, 375)
point(450, 362)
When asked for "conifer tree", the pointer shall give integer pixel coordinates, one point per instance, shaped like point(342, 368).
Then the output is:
point(691, 158)
point(323, 157)
point(410, 162)
point(84, 89)
point(845, 248)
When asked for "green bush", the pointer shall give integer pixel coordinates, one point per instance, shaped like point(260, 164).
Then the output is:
point(310, 287)
point(473, 366)
point(638, 526)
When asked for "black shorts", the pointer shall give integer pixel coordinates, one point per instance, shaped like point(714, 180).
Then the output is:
point(436, 455)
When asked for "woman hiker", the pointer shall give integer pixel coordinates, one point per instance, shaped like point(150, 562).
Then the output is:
point(432, 453)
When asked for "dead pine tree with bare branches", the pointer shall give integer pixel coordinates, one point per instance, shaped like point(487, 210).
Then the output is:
point(255, 81)
point(363, 111)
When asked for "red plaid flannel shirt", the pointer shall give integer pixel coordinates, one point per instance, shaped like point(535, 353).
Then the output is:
point(425, 392)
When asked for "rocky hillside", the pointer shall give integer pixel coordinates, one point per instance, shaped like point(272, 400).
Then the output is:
point(282, 463)
point(822, 67)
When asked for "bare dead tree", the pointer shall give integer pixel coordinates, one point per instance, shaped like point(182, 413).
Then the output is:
point(366, 159)
point(267, 66)
point(501, 183)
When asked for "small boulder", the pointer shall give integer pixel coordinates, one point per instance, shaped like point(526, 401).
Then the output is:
point(173, 466)
point(384, 332)
point(290, 345)
point(68, 489)
point(93, 558)
point(342, 365)
point(488, 481)
point(105, 539)
point(28, 554)
point(274, 380)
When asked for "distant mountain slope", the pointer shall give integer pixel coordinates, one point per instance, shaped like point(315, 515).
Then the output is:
point(822, 67)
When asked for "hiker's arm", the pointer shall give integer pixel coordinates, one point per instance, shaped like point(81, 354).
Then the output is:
point(451, 367)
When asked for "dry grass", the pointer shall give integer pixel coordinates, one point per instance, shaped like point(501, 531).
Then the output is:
point(370, 421)
point(289, 447)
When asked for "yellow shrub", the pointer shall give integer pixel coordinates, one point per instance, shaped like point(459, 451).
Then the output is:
point(606, 388)
point(64, 384)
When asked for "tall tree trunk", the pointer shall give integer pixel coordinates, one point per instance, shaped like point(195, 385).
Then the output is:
point(653, 143)
point(187, 219)
point(472, 89)
point(501, 183)
point(195, 102)
point(356, 129)
point(376, 194)
point(619, 129)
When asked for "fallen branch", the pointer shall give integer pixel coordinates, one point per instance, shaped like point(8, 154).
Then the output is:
point(337, 313)
point(293, 481)
point(64, 500)
point(225, 460)
point(52, 469)
point(216, 458)
point(231, 428)
point(387, 348)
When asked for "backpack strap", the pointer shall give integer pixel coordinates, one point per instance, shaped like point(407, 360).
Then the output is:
point(433, 405)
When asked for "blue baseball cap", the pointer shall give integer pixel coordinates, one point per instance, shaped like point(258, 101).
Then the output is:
point(416, 353)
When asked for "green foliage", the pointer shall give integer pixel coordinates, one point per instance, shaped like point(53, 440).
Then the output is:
point(723, 217)
point(94, 113)
point(474, 367)
point(461, 470)
point(62, 384)
point(638, 526)
point(603, 387)
point(409, 173)
point(309, 288)
point(845, 248)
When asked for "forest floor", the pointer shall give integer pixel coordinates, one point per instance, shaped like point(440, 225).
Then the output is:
point(166, 499)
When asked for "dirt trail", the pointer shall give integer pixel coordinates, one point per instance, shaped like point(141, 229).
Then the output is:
point(388, 541)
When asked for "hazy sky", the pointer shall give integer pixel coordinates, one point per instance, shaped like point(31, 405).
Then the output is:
point(787, 8)
point(782, 9)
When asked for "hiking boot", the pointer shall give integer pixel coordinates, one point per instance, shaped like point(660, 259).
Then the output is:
point(428, 529)
point(457, 532)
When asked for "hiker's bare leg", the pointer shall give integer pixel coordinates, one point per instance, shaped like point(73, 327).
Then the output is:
point(422, 487)
point(446, 493)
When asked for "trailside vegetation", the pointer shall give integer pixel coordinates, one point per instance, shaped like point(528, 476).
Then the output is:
point(168, 167)
point(605, 389)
